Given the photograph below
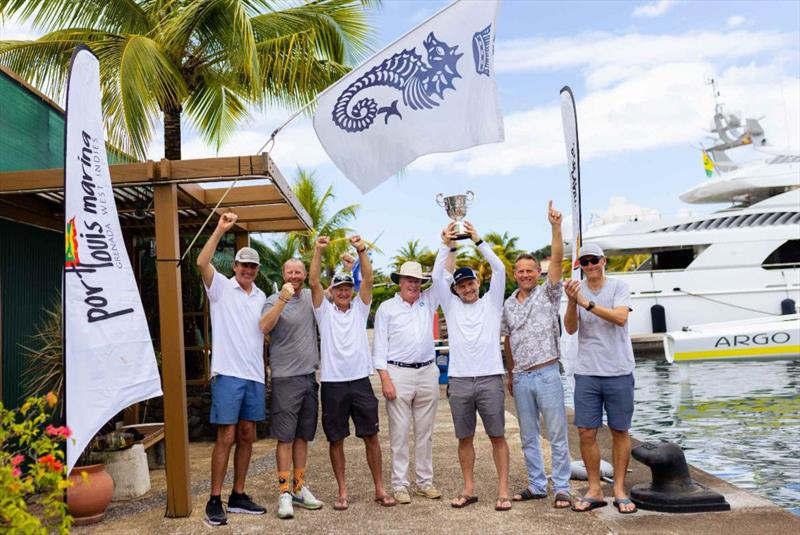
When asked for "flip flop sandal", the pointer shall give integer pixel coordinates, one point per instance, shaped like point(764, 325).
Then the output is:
point(501, 500)
point(341, 504)
point(526, 495)
point(563, 497)
point(385, 501)
point(593, 504)
point(624, 501)
point(468, 500)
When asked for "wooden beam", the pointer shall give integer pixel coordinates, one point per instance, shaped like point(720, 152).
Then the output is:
point(284, 225)
point(170, 308)
point(36, 212)
point(177, 171)
point(240, 239)
point(243, 195)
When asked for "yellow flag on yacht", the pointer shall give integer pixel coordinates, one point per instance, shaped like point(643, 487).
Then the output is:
point(708, 164)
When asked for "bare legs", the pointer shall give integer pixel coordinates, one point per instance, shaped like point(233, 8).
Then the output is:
point(621, 454)
point(243, 434)
point(466, 458)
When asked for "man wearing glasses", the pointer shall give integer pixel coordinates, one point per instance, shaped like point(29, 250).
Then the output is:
point(603, 372)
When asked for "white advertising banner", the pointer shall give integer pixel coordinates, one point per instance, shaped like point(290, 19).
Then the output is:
point(432, 90)
point(108, 354)
point(569, 120)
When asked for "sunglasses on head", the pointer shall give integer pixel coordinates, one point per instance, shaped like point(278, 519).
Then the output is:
point(589, 260)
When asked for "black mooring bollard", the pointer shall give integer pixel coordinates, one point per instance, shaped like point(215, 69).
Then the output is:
point(672, 489)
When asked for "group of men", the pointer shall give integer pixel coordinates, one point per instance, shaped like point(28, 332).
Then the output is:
point(296, 318)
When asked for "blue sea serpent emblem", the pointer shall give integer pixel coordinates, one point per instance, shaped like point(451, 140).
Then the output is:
point(483, 50)
point(420, 84)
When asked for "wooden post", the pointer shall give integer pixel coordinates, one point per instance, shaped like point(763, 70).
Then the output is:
point(241, 239)
point(170, 308)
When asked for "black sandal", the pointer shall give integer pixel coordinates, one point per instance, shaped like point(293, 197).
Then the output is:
point(526, 495)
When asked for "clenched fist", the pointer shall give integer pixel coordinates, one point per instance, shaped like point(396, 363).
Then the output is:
point(287, 291)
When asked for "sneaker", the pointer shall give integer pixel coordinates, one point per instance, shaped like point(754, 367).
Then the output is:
point(215, 513)
point(241, 503)
point(306, 500)
point(401, 495)
point(428, 491)
point(285, 509)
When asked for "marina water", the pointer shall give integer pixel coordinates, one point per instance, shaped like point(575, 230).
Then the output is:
point(739, 421)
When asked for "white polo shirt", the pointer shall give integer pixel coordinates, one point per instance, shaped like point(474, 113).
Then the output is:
point(237, 346)
point(344, 349)
point(404, 332)
point(473, 330)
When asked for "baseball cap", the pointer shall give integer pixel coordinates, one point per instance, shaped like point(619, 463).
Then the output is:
point(247, 255)
point(341, 278)
point(462, 274)
point(591, 249)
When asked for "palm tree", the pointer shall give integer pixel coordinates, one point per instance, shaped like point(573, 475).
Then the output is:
point(208, 59)
point(308, 192)
point(412, 252)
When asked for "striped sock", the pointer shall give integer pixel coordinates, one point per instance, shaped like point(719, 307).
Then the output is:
point(299, 479)
point(283, 481)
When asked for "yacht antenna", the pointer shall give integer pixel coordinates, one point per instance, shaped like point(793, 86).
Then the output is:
point(713, 83)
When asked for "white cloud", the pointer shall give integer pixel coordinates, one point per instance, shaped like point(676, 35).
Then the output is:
point(651, 10)
point(602, 49)
point(735, 21)
point(12, 29)
point(620, 210)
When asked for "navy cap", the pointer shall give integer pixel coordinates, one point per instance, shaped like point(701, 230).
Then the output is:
point(462, 274)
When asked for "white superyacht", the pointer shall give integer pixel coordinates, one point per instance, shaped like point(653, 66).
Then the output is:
point(738, 263)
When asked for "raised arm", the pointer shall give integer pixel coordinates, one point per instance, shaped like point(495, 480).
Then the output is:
point(444, 264)
point(225, 223)
point(571, 288)
point(497, 285)
point(617, 315)
point(271, 316)
point(554, 272)
point(315, 270)
point(365, 291)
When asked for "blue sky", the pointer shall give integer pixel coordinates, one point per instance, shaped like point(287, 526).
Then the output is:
point(638, 71)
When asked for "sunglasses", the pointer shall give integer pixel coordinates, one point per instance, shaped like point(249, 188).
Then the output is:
point(589, 260)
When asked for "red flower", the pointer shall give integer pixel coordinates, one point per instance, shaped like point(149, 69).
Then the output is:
point(16, 472)
point(53, 463)
point(16, 459)
point(62, 431)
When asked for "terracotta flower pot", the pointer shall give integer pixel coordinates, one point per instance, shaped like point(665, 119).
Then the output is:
point(87, 500)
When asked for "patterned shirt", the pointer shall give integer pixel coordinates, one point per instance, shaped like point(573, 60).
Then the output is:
point(533, 325)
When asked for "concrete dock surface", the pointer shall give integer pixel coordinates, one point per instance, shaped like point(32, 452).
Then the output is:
point(749, 514)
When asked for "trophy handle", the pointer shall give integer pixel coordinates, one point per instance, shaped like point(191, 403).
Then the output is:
point(470, 196)
point(439, 200)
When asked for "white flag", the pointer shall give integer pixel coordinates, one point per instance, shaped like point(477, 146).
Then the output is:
point(433, 90)
point(569, 120)
point(108, 354)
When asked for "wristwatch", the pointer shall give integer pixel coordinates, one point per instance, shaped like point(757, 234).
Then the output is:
point(590, 306)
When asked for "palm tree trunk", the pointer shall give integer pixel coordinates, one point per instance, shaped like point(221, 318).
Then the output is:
point(172, 133)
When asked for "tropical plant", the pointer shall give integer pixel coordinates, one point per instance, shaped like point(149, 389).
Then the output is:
point(273, 256)
point(44, 355)
point(32, 470)
point(412, 252)
point(316, 203)
point(205, 59)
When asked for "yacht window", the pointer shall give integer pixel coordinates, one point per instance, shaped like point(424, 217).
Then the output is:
point(675, 259)
point(785, 256)
point(773, 218)
point(717, 222)
point(795, 218)
point(760, 219)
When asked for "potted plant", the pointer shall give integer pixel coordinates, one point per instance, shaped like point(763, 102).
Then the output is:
point(91, 486)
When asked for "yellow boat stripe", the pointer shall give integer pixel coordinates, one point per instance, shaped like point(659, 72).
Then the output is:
point(740, 352)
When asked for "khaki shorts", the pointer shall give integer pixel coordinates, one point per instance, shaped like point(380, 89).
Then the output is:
point(484, 395)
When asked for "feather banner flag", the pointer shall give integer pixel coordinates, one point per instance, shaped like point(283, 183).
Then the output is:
point(432, 90)
point(109, 361)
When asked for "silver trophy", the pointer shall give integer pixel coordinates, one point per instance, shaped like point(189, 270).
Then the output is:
point(456, 208)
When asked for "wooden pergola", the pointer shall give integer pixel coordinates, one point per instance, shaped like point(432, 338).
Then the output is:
point(168, 197)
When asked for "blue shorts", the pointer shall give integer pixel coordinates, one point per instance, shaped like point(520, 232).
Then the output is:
point(594, 393)
point(234, 399)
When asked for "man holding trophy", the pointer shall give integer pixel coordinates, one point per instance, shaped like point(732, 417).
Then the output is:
point(476, 366)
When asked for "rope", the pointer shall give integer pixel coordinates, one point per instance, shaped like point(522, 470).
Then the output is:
point(729, 304)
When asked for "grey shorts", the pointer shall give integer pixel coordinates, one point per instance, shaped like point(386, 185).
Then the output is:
point(484, 395)
point(294, 407)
